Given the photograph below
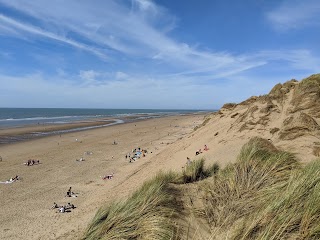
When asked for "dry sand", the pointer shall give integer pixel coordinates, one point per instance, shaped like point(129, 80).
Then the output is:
point(25, 204)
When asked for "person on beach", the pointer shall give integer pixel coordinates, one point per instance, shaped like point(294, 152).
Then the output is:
point(69, 193)
point(198, 152)
point(109, 176)
point(16, 178)
point(62, 209)
point(80, 160)
point(69, 206)
point(55, 205)
point(205, 148)
point(188, 161)
point(32, 162)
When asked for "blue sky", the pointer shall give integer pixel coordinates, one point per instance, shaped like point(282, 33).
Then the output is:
point(194, 54)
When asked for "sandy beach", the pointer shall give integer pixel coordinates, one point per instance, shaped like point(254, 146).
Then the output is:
point(26, 212)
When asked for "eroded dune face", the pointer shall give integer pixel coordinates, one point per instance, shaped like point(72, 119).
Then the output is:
point(289, 116)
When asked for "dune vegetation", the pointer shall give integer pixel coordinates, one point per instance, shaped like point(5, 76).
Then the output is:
point(264, 194)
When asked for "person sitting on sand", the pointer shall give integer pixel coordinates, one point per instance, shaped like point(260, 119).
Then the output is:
point(69, 206)
point(188, 161)
point(13, 179)
point(55, 205)
point(62, 209)
point(198, 152)
point(80, 160)
point(205, 148)
point(110, 176)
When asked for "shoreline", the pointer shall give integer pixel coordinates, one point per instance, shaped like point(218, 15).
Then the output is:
point(24, 133)
point(16, 134)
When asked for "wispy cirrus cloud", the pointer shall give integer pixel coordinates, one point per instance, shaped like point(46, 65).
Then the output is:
point(121, 29)
point(294, 14)
point(144, 64)
point(14, 26)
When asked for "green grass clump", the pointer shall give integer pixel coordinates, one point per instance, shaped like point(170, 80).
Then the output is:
point(310, 84)
point(293, 213)
point(148, 214)
point(245, 186)
point(196, 171)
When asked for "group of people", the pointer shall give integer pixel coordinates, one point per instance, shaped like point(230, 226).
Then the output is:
point(63, 208)
point(204, 149)
point(136, 153)
point(67, 207)
point(32, 162)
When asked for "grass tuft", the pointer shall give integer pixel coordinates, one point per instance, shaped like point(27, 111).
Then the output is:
point(243, 187)
point(196, 171)
point(148, 214)
point(293, 213)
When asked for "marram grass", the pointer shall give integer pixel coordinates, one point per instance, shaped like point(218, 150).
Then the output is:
point(244, 186)
point(266, 194)
point(293, 213)
point(147, 214)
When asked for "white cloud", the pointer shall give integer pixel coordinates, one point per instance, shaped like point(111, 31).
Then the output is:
point(293, 14)
point(299, 59)
point(109, 25)
point(14, 26)
point(89, 75)
point(121, 75)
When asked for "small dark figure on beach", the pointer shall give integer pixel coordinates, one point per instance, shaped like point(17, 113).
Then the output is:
point(198, 152)
point(69, 206)
point(110, 176)
point(69, 193)
point(188, 161)
point(55, 205)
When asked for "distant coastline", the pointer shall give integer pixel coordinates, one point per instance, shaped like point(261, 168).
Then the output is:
point(25, 124)
point(17, 117)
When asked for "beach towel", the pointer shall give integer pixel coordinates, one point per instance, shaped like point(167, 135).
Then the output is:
point(7, 182)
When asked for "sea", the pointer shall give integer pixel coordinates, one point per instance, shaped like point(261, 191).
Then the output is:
point(20, 117)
